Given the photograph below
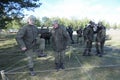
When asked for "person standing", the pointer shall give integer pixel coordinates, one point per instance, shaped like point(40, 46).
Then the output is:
point(70, 31)
point(26, 38)
point(100, 39)
point(89, 37)
point(60, 40)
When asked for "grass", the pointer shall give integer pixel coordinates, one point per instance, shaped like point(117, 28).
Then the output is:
point(77, 66)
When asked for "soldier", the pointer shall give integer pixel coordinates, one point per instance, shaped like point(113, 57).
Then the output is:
point(100, 39)
point(79, 35)
point(70, 31)
point(88, 36)
point(26, 38)
point(84, 33)
point(59, 39)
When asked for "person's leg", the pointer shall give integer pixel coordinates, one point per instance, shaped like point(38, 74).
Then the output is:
point(30, 55)
point(101, 48)
point(85, 49)
point(97, 48)
point(42, 48)
point(89, 47)
point(57, 60)
point(62, 59)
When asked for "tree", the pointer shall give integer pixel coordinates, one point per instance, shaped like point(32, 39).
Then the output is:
point(46, 21)
point(38, 22)
point(114, 26)
point(13, 9)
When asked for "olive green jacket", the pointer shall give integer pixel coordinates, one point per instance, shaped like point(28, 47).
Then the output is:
point(89, 33)
point(60, 38)
point(26, 36)
point(101, 34)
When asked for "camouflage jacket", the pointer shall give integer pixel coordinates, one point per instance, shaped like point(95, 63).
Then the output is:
point(59, 38)
point(89, 33)
point(26, 36)
point(101, 34)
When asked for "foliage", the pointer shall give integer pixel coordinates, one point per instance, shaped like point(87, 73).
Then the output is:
point(13, 9)
point(74, 23)
point(38, 22)
point(46, 21)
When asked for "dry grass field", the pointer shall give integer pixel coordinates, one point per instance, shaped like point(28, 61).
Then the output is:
point(77, 67)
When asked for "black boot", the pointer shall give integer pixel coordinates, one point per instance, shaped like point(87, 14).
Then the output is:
point(88, 54)
point(32, 73)
point(62, 66)
point(97, 53)
point(57, 66)
point(41, 54)
point(100, 55)
point(84, 54)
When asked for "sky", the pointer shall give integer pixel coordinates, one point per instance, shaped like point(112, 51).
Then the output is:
point(96, 10)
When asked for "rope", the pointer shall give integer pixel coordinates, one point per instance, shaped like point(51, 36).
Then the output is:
point(13, 65)
point(15, 69)
point(83, 68)
point(67, 69)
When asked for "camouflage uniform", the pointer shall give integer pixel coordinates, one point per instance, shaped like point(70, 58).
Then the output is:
point(70, 31)
point(59, 39)
point(100, 39)
point(79, 35)
point(26, 37)
point(88, 37)
point(40, 44)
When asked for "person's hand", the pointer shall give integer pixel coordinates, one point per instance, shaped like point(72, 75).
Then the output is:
point(98, 43)
point(67, 47)
point(24, 49)
point(87, 40)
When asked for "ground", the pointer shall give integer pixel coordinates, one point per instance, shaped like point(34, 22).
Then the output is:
point(77, 67)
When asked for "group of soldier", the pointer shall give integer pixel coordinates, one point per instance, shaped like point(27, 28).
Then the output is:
point(91, 33)
point(28, 38)
point(97, 33)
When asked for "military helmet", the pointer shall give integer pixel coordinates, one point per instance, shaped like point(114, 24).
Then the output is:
point(99, 23)
point(91, 22)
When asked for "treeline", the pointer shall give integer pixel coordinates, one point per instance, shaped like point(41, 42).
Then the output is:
point(46, 21)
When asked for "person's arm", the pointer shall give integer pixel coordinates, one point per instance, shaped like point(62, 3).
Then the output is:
point(66, 36)
point(19, 38)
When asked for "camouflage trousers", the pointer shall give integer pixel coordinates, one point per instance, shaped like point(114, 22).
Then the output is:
point(100, 47)
point(59, 57)
point(41, 43)
point(88, 46)
point(31, 55)
point(80, 40)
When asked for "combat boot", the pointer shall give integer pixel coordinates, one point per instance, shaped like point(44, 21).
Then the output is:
point(100, 55)
point(62, 66)
point(57, 66)
point(89, 54)
point(32, 73)
point(41, 54)
point(97, 53)
point(84, 54)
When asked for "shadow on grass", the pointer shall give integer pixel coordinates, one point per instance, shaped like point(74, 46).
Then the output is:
point(74, 59)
